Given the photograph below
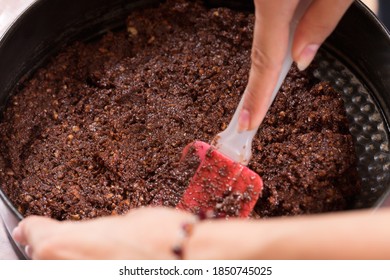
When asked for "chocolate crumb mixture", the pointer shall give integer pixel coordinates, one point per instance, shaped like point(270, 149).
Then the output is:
point(220, 188)
point(100, 129)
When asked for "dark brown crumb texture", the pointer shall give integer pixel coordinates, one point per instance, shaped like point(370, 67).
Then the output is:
point(100, 129)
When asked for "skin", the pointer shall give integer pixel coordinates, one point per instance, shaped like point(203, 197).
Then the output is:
point(270, 46)
point(145, 233)
point(150, 233)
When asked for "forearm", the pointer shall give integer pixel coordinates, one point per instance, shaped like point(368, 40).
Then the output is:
point(353, 235)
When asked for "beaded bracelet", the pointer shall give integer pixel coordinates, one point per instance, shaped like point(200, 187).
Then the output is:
point(186, 230)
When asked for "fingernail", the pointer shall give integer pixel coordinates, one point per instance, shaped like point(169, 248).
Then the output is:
point(244, 120)
point(17, 234)
point(306, 56)
point(28, 251)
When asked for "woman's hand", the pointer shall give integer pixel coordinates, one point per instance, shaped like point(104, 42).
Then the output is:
point(270, 46)
point(146, 233)
point(151, 233)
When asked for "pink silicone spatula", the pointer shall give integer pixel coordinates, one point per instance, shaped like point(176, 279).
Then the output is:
point(222, 183)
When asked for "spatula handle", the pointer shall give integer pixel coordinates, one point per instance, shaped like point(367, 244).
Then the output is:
point(238, 145)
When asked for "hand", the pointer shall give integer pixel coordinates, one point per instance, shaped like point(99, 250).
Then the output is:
point(150, 233)
point(147, 233)
point(270, 46)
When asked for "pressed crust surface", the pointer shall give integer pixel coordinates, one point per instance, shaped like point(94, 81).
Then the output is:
point(100, 129)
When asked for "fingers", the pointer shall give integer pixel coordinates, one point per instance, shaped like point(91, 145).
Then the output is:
point(145, 233)
point(46, 238)
point(33, 229)
point(315, 26)
point(268, 51)
point(270, 46)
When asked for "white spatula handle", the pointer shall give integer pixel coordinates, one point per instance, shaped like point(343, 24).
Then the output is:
point(238, 145)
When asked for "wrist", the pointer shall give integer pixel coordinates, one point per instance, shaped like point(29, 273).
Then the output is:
point(222, 239)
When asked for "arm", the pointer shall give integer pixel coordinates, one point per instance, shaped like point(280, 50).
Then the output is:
point(150, 233)
point(344, 235)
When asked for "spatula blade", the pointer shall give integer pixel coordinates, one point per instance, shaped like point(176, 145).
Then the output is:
point(219, 186)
